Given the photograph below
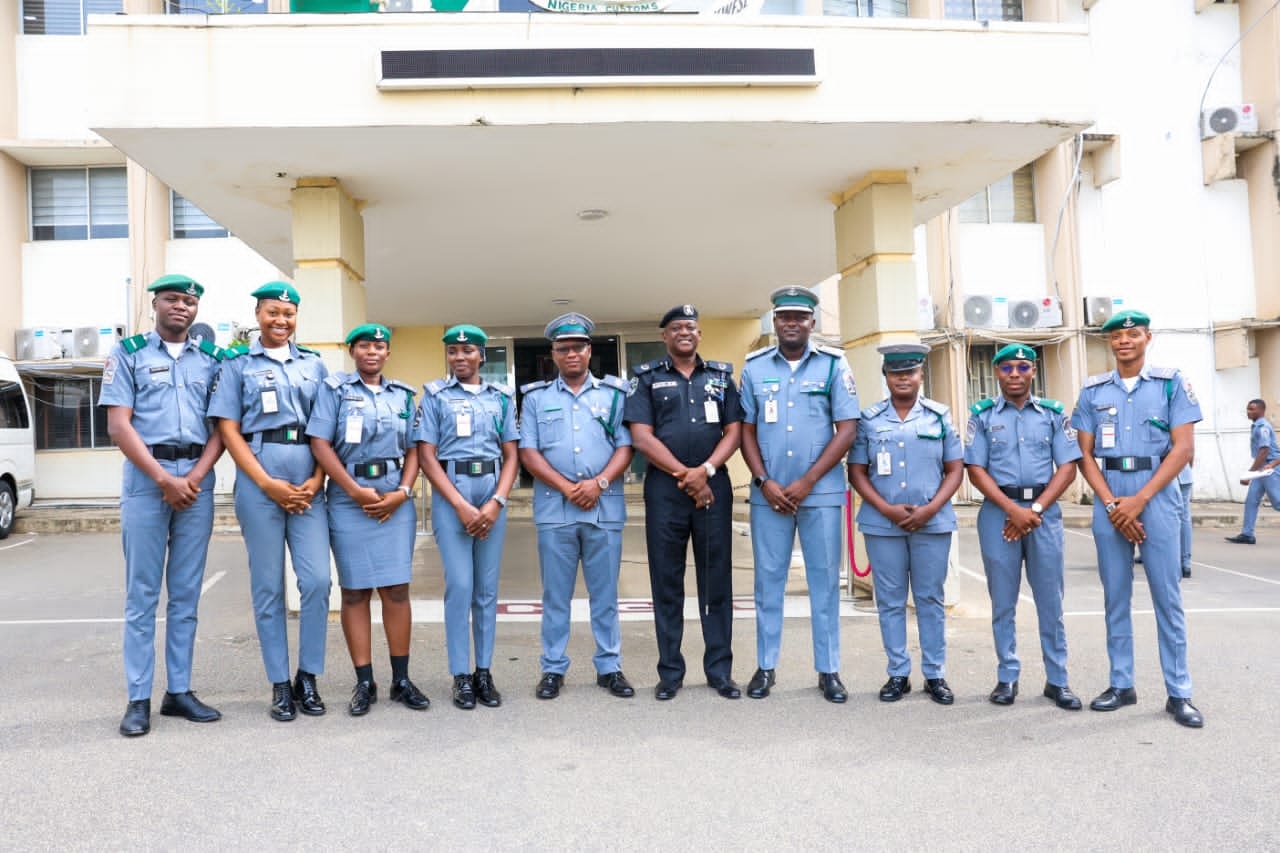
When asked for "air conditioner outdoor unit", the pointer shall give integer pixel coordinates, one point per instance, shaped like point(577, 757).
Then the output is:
point(95, 341)
point(37, 344)
point(1238, 118)
point(1042, 313)
point(1100, 309)
point(986, 312)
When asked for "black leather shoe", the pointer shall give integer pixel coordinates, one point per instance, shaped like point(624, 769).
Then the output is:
point(137, 718)
point(895, 688)
point(1004, 693)
point(549, 685)
point(1113, 698)
point(486, 693)
point(1184, 713)
point(407, 693)
point(282, 707)
point(464, 692)
point(832, 689)
point(616, 683)
point(726, 687)
point(306, 695)
point(1186, 571)
point(667, 690)
point(363, 695)
point(1063, 697)
point(1242, 539)
point(761, 683)
point(186, 705)
point(939, 691)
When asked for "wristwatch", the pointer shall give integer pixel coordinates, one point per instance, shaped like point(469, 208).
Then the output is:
point(1111, 506)
point(758, 482)
point(1037, 508)
point(711, 469)
point(603, 483)
point(408, 491)
point(500, 499)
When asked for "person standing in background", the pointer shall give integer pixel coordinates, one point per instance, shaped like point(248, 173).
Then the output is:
point(1266, 457)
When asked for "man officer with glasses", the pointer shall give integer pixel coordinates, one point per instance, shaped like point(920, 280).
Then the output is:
point(1020, 453)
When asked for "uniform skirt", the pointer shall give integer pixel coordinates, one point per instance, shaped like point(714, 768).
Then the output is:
point(370, 554)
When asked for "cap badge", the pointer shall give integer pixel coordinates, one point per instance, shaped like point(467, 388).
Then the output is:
point(284, 296)
point(191, 289)
point(1021, 354)
point(462, 337)
point(791, 291)
point(688, 310)
point(377, 334)
point(1128, 323)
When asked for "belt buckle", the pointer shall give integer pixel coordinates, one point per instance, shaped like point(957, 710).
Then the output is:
point(290, 434)
point(1028, 493)
point(1127, 463)
point(374, 469)
point(475, 468)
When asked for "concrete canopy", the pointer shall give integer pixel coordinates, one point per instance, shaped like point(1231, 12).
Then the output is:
point(471, 198)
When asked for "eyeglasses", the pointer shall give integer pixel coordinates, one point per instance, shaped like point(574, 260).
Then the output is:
point(1021, 367)
point(565, 349)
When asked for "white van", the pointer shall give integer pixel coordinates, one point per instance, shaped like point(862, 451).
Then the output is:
point(17, 447)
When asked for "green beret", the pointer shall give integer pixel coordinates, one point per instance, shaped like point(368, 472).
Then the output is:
point(1126, 320)
point(178, 283)
point(465, 333)
point(793, 299)
point(1015, 351)
point(277, 290)
point(369, 332)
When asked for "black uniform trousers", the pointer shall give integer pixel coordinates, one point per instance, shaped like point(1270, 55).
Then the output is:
point(670, 519)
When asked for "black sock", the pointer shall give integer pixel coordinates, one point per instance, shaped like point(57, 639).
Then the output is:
point(364, 672)
point(399, 667)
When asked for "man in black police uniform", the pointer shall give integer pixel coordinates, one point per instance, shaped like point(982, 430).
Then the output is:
point(686, 418)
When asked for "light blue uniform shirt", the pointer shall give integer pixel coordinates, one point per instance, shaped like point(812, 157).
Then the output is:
point(809, 402)
point(383, 416)
point(1260, 435)
point(577, 435)
point(1140, 419)
point(248, 381)
point(169, 398)
point(917, 446)
point(491, 413)
point(1020, 447)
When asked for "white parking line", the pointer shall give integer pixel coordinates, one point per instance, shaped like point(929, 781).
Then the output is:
point(211, 581)
point(1185, 610)
point(18, 544)
point(629, 609)
point(114, 620)
point(1271, 581)
point(983, 580)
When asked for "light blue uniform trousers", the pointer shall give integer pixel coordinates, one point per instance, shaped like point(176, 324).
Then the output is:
point(560, 547)
point(471, 570)
point(918, 559)
point(1270, 486)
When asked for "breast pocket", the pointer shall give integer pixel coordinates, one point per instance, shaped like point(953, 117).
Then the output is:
point(149, 381)
point(1155, 431)
point(552, 427)
point(818, 405)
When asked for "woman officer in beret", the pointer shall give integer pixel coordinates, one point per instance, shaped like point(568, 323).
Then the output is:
point(263, 399)
point(466, 435)
point(359, 430)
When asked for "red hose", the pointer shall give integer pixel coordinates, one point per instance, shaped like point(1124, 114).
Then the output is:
point(848, 523)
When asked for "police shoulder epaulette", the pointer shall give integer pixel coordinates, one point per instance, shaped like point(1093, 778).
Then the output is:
point(643, 368)
point(760, 352)
point(134, 343)
point(335, 380)
point(1162, 372)
point(1054, 405)
point(533, 386)
point(722, 366)
point(981, 406)
point(434, 388)
point(210, 349)
point(934, 406)
point(835, 352)
point(403, 386)
point(1097, 379)
point(502, 389)
point(874, 409)
point(615, 383)
point(308, 350)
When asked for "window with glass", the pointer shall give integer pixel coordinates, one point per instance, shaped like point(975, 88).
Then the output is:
point(984, 10)
point(13, 406)
point(982, 373)
point(63, 17)
point(1010, 199)
point(866, 8)
point(67, 414)
point(190, 222)
point(79, 203)
point(215, 7)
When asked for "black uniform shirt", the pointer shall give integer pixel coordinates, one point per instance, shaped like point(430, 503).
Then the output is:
point(676, 407)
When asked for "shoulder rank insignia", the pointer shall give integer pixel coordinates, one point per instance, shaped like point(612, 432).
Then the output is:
point(722, 366)
point(981, 406)
point(615, 383)
point(643, 368)
point(834, 352)
point(335, 380)
point(874, 409)
point(1098, 379)
point(396, 383)
point(212, 350)
point(760, 352)
point(533, 386)
point(1053, 405)
point(434, 388)
point(934, 406)
point(1162, 372)
point(502, 389)
point(134, 343)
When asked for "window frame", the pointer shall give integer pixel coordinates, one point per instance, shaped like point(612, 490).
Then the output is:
point(85, 12)
point(89, 225)
point(215, 232)
point(45, 390)
point(966, 209)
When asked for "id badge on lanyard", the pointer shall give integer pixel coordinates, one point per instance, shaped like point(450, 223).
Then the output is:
point(884, 463)
point(712, 411)
point(270, 402)
point(462, 422)
point(771, 411)
point(355, 429)
point(1107, 436)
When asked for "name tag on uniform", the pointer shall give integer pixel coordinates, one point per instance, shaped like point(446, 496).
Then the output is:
point(355, 429)
point(884, 463)
point(771, 411)
point(270, 405)
point(463, 423)
point(713, 411)
point(1108, 436)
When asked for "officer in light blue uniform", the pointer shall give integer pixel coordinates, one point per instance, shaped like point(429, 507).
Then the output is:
point(264, 398)
point(1021, 455)
point(1266, 457)
point(800, 415)
point(906, 465)
point(466, 434)
point(1136, 431)
point(572, 440)
point(155, 388)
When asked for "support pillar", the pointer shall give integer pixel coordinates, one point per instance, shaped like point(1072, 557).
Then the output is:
point(328, 257)
point(149, 215)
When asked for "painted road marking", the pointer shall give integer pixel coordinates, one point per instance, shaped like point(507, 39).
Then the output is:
point(1271, 581)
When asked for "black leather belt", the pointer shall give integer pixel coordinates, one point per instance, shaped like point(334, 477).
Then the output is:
point(472, 467)
point(1024, 493)
point(374, 469)
point(172, 452)
point(284, 435)
point(1131, 463)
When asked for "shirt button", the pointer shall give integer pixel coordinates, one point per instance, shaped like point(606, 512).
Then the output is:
point(575, 408)
point(1127, 428)
point(902, 444)
point(577, 450)
point(903, 484)
point(790, 428)
point(789, 453)
point(902, 464)
point(790, 403)
point(693, 420)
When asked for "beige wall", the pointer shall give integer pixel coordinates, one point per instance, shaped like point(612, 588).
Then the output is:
point(13, 231)
point(148, 233)
point(730, 339)
point(417, 355)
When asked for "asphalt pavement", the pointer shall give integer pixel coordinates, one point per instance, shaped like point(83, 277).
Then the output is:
point(590, 771)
